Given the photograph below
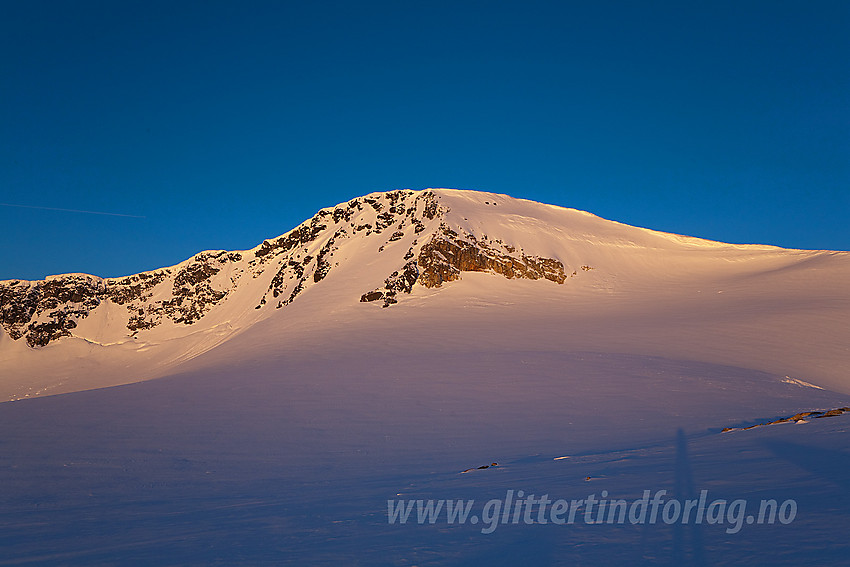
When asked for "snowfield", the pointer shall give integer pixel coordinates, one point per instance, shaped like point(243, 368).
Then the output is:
point(260, 410)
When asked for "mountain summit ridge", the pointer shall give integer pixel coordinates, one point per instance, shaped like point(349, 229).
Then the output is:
point(41, 312)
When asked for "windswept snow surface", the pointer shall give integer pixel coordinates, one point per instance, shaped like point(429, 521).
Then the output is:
point(276, 436)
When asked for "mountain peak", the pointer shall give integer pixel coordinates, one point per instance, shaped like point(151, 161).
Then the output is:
point(402, 250)
point(411, 228)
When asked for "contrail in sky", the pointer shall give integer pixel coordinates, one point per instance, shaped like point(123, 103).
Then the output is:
point(70, 210)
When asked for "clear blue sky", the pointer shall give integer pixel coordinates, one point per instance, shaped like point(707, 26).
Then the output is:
point(223, 123)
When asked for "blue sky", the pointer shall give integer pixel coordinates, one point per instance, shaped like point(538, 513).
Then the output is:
point(224, 123)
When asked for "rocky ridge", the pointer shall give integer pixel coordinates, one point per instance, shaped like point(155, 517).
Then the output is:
point(435, 253)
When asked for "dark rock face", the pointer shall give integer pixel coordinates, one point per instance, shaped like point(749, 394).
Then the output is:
point(134, 288)
point(447, 255)
point(323, 259)
point(399, 281)
point(39, 334)
point(304, 234)
point(192, 293)
point(46, 310)
point(18, 304)
point(372, 296)
point(384, 221)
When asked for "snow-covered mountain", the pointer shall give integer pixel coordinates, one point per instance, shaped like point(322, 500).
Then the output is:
point(630, 289)
point(395, 347)
point(216, 286)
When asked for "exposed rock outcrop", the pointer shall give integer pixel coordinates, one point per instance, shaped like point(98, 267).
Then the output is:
point(801, 417)
point(399, 281)
point(447, 254)
point(46, 310)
